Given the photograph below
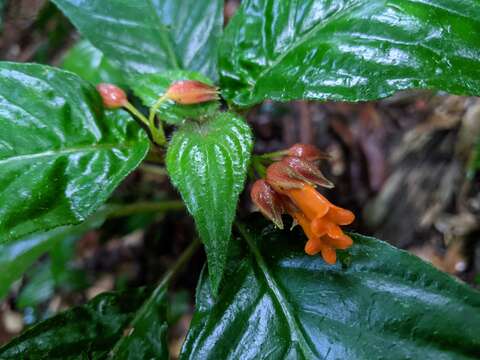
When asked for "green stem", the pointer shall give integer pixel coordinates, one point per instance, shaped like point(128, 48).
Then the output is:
point(157, 132)
point(259, 168)
point(271, 155)
point(144, 207)
point(135, 112)
point(160, 290)
point(175, 269)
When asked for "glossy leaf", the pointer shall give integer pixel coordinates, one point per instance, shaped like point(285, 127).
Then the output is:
point(150, 87)
point(90, 64)
point(380, 302)
point(349, 50)
point(150, 36)
point(207, 163)
point(61, 155)
point(17, 256)
point(86, 332)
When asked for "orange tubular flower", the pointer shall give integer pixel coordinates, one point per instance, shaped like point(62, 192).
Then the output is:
point(320, 221)
point(295, 178)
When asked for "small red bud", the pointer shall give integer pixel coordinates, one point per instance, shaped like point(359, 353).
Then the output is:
point(188, 92)
point(307, 152)
point(112, 96)
point(268, 201)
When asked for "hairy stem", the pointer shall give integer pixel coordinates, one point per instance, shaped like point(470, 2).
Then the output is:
point(135, 112)
point(271, 155)
point(157, 132)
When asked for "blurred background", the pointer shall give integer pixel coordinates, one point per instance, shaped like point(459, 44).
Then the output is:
point(406, 165)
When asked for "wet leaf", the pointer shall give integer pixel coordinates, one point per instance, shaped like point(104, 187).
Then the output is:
point(208, 163)
point(146, 336)
point(91, 331)
point(90, 64)
point(279, 303)
point(61, 155)
point(349, 50)
point(151, 36)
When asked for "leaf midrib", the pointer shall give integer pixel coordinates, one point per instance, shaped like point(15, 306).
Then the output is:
point(302, 39)
point(278, 296)
point(66, 151)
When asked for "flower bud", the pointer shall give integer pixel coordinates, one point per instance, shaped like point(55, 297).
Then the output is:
point(306, 171)
point(112, 96)
point(282, 178)
point(307, 152)
point(188, 92)
point(268, 202)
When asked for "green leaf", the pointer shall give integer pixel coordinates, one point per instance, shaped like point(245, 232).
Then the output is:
point(40, 288)
point(150, 87)
point(207, 163)
point(61, 155)
point(65, 274)
point(90, 64)
point(89, 331)
point(349, 50)
point(380, 302)
point(17, 256)
point(147, 338)
point(150, 36)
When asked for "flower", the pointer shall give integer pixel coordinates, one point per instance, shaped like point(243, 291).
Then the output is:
point(293, 179)
point(320, 221)
point(188, 92)
point(112, 96)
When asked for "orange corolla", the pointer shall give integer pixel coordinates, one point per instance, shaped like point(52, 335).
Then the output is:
point(320, 222)
point(294, 179)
